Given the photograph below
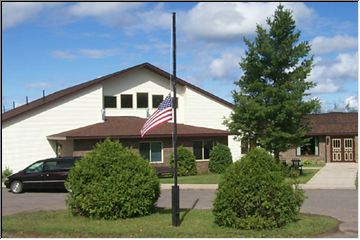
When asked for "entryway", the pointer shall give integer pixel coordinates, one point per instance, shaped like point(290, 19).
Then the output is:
point(342, 149)
point(338, 175)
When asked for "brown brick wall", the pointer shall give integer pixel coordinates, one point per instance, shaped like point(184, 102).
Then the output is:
point(81, 147)
point(291, 153)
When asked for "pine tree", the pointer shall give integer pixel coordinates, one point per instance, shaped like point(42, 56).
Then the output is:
point(270, 104)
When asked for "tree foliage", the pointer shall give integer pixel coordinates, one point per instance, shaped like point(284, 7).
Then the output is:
point(253, 194)
point(220, 158)
point(112, 182)
point(270, 104)
point(186, 162)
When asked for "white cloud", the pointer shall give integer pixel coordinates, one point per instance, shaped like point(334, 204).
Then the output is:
point(223, 66)
point(352, 102)
point(326, 86)
point(330, 76)
point(321, 44)
point(209, 20)
point(101, 9)
point(129, 15)
point(85, 53)
point(15, 13)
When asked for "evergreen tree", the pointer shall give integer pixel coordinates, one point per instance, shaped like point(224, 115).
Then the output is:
point(270, 105)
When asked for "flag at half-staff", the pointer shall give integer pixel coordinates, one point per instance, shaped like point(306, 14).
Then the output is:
point(162, 115)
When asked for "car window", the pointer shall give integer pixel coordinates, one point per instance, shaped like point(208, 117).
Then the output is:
point(57, 165)
point(50, 165)
point(35, 168)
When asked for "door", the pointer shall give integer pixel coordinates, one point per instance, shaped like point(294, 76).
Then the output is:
point(54, 175)
point(342, 149)
point(348, 150)
point(32, 176)
point(336, 150)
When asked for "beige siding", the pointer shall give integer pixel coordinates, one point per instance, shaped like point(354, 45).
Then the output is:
point(24, 137)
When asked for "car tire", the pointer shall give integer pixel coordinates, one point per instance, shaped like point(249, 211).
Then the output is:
point(16, 186)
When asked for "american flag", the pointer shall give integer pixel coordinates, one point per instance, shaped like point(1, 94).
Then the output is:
point(162, 115)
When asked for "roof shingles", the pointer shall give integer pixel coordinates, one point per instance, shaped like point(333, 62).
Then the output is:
point(129, 127)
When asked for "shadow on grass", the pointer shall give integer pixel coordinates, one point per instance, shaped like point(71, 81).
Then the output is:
point(183, 211)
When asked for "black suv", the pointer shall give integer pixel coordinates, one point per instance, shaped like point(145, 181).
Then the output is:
point(48, 174)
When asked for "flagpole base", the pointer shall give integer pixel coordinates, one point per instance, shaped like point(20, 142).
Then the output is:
point(175, 205)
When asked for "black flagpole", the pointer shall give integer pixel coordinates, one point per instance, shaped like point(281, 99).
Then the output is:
point(175, 187)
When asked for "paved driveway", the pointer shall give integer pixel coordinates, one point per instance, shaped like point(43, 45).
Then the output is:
point(334, 176)
point(341, 204)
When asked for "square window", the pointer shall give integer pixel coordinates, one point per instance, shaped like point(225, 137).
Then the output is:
point(142, 100)
point(151, 151)
point(109, 102)
point(156, 100)
point(126, 101)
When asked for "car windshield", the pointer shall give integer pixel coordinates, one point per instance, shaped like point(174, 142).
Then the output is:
point(35, 168)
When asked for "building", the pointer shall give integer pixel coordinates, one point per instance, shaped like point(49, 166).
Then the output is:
point(333, 137)
point(69, 122)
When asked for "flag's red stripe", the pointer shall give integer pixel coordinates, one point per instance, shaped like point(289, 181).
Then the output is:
point(167, 115)
point(156, 116)
point(151, 117)
point(164, 120)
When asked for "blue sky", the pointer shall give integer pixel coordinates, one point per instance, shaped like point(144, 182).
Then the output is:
point(56, 45)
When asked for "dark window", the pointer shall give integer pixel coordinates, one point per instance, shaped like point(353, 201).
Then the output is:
point(142, 100)
point(197, 149)
point(311, 147)
point(126, 101)
point(109, 102)
point(151, 151)
point(156, 100)
point(208, 145)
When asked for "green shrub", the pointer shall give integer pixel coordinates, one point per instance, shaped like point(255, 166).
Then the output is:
point(253, 194)
point(112, 182)
point(186, 162)
point(5, 173)
point(220, 158)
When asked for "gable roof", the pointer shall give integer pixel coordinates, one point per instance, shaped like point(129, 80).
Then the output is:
point(74, 89)
point(333, 124)
point(129, 127)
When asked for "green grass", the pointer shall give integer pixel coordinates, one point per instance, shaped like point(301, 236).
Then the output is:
point(215, 178)
point(307, 175)
point(313, 163)
point(196, 179)
point(195, 224)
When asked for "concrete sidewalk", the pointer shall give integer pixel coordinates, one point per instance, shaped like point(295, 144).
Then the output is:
point(334, 176)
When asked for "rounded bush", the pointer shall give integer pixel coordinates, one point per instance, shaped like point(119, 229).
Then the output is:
point(220, 158)
point(186, 162)
point(112, 182)
point(253, 194)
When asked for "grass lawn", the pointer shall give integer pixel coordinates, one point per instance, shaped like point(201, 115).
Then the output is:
point(195, 224)
point(215, 178)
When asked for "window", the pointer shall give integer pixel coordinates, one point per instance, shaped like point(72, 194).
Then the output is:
point(156, 100)
point(109, 102)
point(197, 150)
point(201, 149)
point(142, 100)
point(126, 101)
point(35, 168)
point(309, 148)
point(151, 151)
